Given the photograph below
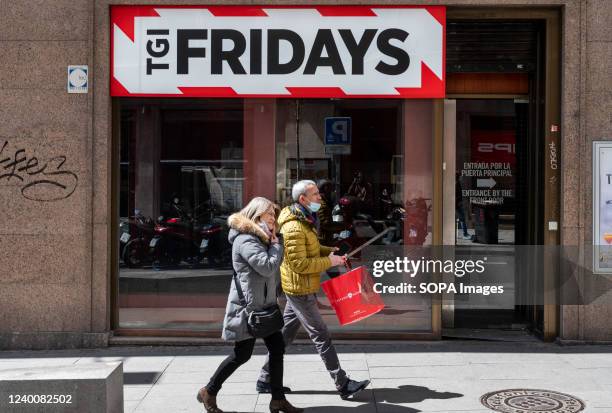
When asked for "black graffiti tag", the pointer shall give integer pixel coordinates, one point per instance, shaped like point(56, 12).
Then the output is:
point(43, 181)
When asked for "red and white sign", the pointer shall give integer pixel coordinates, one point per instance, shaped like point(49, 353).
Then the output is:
point(494, 146)
point(278, 51)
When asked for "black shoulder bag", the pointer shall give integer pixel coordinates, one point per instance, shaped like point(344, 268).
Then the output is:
point(260, 323)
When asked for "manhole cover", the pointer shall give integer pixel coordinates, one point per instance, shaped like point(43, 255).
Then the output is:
point(531, 401)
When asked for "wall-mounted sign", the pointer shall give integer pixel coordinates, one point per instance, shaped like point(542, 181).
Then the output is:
point(77, 79)
point(338, 136)
point(338, 131)
point(278, 51)
point(602, 207)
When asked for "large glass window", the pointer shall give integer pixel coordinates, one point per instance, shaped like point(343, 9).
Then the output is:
point(181, 175)
point(369, 189)
point(187, 164)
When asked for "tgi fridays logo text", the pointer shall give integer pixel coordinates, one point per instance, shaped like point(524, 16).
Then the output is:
point(328, 51)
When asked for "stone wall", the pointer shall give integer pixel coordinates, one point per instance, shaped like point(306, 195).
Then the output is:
point(46, 231)
point(587, 118)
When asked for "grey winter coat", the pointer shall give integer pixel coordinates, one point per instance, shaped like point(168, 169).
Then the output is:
point(256, 262)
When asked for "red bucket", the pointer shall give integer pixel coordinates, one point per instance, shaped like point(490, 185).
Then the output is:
point(352, 296)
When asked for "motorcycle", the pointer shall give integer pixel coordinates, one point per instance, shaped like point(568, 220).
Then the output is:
point(415, 216)
point(136, 234)
point(359, 227)
point(395, 219)
point(182, 239)
point(214, 245)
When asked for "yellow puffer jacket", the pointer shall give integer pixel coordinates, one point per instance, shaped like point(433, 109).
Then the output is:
point(304, 258)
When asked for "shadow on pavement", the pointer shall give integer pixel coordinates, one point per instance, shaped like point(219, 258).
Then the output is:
point(411, 394)
point(389, 397)
point(363, 408)
point(145, 377)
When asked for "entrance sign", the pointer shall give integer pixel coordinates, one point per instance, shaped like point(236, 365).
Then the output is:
point(278, 51)
point(602, 207)
point(491, 168)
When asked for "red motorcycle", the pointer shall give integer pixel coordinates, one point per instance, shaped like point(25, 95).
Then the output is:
point(182, 239)
point(415, 217)
point(136, 233)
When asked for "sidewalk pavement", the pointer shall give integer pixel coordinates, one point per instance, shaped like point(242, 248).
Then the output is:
point(407, 377)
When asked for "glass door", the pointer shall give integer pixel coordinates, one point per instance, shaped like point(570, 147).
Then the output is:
point(486, 187)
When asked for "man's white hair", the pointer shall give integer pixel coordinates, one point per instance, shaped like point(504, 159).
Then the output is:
point(300, 188)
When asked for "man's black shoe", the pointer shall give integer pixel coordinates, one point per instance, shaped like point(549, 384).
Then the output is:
point(263, 387)
point(352, 387)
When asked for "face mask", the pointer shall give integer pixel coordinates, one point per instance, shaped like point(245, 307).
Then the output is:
point(314, 206)
point(264, 226)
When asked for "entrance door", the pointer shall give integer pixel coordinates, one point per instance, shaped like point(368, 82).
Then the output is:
point(487, 186)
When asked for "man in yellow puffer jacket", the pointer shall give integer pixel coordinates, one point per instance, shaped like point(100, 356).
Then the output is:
point(304, 260)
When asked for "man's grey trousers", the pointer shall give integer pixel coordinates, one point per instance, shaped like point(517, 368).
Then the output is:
point(303, 310)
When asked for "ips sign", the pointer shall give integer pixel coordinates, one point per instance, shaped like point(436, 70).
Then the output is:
point(278, 51)
point(494, 146)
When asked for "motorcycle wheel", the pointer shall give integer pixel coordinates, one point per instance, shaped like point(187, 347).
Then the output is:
point(133, 253)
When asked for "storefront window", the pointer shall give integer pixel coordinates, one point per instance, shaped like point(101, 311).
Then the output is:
point(371, 192)
point(187, 164)
point(182, 173)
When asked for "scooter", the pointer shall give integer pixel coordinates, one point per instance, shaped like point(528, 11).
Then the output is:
point(359, 227)
point(214, 245)
point(136, 234)
point(395, 218)
point(416, 215)
point(360, 230)
point(178, 240)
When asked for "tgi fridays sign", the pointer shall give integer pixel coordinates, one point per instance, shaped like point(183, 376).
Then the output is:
point(278, 51)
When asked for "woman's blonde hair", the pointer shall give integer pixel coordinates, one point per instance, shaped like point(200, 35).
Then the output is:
point(257, 207)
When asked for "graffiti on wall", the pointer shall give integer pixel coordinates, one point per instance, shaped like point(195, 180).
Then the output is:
point(39, 179)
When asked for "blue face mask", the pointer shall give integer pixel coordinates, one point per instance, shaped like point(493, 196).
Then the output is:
point(314, 206)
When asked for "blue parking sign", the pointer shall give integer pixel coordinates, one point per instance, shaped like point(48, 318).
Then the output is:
point(337, 131)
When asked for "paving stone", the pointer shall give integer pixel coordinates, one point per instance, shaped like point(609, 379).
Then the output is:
point(406, 377)
point(92, 388)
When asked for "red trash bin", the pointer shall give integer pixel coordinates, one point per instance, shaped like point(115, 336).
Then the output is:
point(352, 296)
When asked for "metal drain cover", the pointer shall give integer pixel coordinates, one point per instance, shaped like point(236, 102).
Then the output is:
point(531, 401)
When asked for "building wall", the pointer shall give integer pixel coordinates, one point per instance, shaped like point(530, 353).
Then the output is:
point(55, 261)
point(587, 118)
point(47, 283)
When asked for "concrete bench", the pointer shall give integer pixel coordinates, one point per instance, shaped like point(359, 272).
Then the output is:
point(82, 388)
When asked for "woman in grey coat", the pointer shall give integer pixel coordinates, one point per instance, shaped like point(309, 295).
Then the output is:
point(257, 254)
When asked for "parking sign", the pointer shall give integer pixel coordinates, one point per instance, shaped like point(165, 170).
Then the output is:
point(337, 131)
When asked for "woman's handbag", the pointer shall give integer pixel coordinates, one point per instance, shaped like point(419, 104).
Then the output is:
point(264, 322)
